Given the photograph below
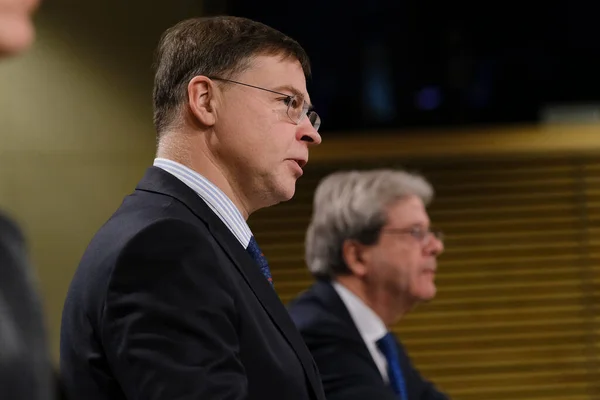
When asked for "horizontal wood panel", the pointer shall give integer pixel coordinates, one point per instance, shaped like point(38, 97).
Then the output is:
point(504, 317)
point(517, 315)
point(523, 373)
point(539, 389)
point(502, 354)
point(415, 346)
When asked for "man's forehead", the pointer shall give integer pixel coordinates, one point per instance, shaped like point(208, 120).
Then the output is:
point(409, 210)
point(276, 73)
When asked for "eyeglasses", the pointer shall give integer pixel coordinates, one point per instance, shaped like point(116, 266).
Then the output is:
point(423, 236)
point(297, 107)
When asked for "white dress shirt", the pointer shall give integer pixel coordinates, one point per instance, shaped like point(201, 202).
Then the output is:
point(212, 196)
point(369, 325)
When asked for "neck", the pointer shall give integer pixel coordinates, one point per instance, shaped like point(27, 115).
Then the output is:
point(191, 150)
point(389, 308)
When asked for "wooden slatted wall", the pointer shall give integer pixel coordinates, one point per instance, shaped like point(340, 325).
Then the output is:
point(517, 314)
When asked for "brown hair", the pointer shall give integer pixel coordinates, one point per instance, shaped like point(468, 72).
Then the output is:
point(214, 46)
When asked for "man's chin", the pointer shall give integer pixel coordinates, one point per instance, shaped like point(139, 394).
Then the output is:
point(287, 189)
point(281, 194)
point(287, 196)
point(426, 294)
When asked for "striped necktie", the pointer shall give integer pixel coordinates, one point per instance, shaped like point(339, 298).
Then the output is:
point(260, 259)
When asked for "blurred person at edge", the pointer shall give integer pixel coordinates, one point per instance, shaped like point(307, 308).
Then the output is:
point(16, 26)
point(26, 371)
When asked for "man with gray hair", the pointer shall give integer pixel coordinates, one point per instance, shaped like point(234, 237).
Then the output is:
point(371, 248)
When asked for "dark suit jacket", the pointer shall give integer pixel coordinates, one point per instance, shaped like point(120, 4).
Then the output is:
point(166, 304)
point(346, 366)
point(25, 368)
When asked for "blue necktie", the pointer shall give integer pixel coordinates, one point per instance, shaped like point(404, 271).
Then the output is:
point(387, 345)
point(260, 259)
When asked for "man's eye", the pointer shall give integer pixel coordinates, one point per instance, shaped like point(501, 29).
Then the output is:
point(417, 232)
point(291, 102)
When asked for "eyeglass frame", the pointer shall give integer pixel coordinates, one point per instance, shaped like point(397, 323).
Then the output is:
point(307, 110)
point(423, 236)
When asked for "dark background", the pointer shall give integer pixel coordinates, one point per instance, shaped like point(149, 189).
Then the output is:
point(383, 64)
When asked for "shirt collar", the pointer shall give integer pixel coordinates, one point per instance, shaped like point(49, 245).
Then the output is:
point(369, 325)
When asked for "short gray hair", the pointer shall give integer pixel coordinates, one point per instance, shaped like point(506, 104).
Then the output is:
point(353, 205)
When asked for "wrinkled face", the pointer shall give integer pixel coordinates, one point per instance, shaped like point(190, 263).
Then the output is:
point(261, 146)
point(403, 261)
point(16, 27)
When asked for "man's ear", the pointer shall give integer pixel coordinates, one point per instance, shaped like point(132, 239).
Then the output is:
point(355, 256)
point(202, 100)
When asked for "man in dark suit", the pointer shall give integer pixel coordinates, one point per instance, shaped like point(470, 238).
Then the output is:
point(372, 250)
point(25, 366)
point(173, 299)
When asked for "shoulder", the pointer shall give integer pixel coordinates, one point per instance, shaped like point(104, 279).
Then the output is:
point(134, 247)
point(317, 315)
point(12, 241)
point(146, 226)
point(18, 278)
point(9, 227)
point(168, 232)
point(308, 309)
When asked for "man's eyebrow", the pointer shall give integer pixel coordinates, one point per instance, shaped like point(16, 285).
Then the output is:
point(294, 91)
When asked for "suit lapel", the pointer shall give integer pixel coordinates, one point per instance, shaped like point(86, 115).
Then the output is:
point(325, 291)
point(269, 300)
point(160, 181)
